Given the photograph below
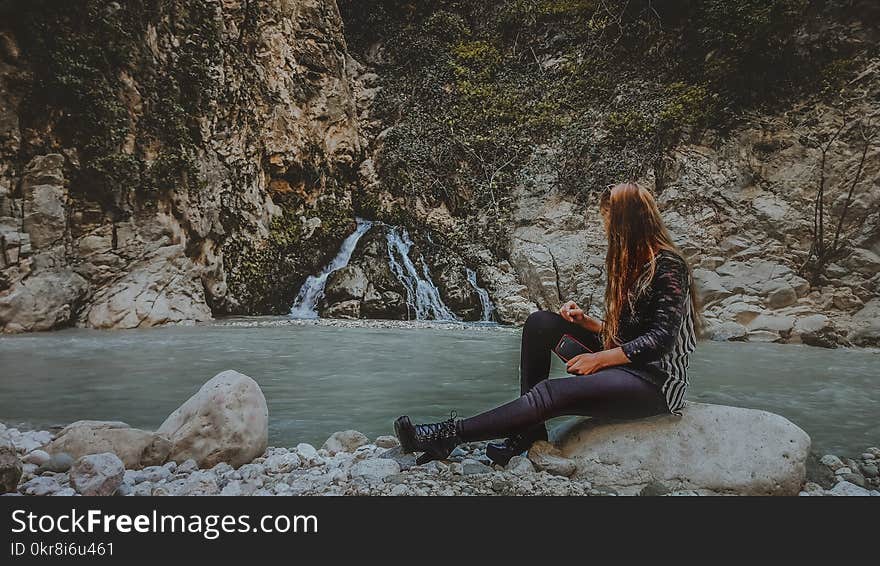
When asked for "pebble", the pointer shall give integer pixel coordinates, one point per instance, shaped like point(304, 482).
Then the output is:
point(387, 442)
point(831, 461)
point(470, 466)
point(870, 471)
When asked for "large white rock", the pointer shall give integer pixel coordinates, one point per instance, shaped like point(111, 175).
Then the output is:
point(711, 447)
point(136, 448)
point(227, 420)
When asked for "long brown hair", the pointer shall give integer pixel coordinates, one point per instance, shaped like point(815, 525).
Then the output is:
point(636, 233)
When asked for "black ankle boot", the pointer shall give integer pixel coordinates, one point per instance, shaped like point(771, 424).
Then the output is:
point(501, 452)
point(436, 440)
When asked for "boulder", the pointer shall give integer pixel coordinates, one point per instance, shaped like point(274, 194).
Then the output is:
point(97, 474)
point(10, 466)
point(227, 420)
point(136, 448)
point(711, 447)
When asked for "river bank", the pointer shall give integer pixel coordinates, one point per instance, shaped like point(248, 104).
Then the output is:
point(349, 463)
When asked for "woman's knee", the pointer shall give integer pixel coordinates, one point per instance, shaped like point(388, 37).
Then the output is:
point(542, 321)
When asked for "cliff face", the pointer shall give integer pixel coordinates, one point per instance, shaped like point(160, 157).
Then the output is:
point(161, 162)
point(170, 162)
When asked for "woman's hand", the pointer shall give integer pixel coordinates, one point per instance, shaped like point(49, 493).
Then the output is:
point(571, 312)
point(588, 363)
point(585, 364)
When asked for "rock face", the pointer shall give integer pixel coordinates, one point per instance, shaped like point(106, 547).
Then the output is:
point(97, 474)
point(136, 448)
point(10, 466)
point(233, 223)
point(227, 420)
point(711, 447)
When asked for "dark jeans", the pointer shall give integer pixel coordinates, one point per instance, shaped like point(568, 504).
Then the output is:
point(611, 392)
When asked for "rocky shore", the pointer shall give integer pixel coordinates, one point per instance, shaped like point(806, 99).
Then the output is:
point(350, 464)
point(216, 444)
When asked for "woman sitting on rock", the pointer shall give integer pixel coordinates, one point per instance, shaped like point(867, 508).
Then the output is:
point(640, 353)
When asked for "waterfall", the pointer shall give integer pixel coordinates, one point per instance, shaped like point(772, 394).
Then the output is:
point(306, 302)
point(485, 301)
point(422, 296)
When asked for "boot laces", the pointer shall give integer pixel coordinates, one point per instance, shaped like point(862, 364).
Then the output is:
point(438, 431)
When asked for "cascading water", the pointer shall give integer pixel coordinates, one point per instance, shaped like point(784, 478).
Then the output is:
point(422, 296)
point(485, 301)
point(306, 302)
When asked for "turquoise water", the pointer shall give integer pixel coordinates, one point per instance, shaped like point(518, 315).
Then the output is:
point(321, 379)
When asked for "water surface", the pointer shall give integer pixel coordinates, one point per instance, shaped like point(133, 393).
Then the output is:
point(321, 379)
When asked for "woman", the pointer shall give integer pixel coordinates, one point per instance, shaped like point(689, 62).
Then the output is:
point(640, 359)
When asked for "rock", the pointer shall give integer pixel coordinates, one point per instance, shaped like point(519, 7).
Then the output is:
point(42, 301)
point(471, 467)
point(846, 488)
point(866, 325)
point(97, 474)
point(832, 461)
point(187, 466)
point(375, 469)
point(387, 442)
point(763, 336)
point(59, 463)
point(550, 459)
point(136, 448)
point(815, 330)
point(348, 283)
point(227, 420)
point(870, 471)
point(308, 454)
point(520, 465)
point(10, 466)
point(345, 441)
point(710, 286)
point(654, 488)
point(854, 478)
point(41, 486)
point(405, 461)
point(282, 463)
point(727, 330)
point(713, 447)
point(780, 294)
point(37, 457)
point(845, 300)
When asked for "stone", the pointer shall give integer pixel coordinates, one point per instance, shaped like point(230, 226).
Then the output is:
point(10, 466)
point(718, 448)
point(405, 461)
point(866, 325)
point(710, 285)
point(387, 441)
point(550, 459)
point(282, 463)
point(37, 457)
point(59, 462)
point(780, 294)
point(97, 474)
point(41, 486)
point(375, 469)
point(854, 478)
point(870, 471)
point(831, 461)
point(136, 448)
point(345, 441)
point(815, 330)
point(520, 465)
point(846, 488)
point(227, 420)
point(654, 488)
point(308, 454)
point(471, 467)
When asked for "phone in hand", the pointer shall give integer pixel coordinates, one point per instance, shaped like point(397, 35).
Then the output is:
point(568, 347)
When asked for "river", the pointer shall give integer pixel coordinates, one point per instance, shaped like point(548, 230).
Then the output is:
point(319, 379)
